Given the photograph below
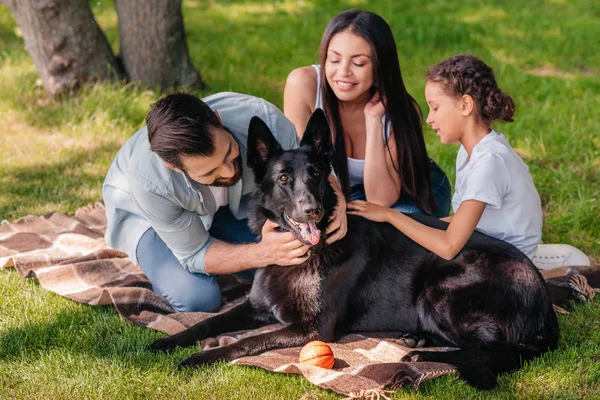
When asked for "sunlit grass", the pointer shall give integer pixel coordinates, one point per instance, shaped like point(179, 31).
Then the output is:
point(55, 154)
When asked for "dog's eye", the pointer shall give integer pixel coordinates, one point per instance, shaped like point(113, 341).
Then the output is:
point(284, 178)
point(316, 173)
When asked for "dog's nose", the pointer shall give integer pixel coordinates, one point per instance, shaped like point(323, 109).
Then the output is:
point(312, 211)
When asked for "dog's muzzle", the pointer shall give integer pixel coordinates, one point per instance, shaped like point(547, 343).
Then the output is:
point(306, 232)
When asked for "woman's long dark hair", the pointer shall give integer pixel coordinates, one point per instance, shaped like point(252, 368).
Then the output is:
point(402, 111)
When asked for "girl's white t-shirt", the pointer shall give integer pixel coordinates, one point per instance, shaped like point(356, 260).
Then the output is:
point(496, 175)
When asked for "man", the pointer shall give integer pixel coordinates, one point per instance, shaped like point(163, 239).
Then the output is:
point(176, 197)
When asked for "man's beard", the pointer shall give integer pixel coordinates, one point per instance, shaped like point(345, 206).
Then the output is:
point(237, 164)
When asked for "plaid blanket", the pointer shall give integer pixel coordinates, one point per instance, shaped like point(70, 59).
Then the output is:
point(68, 256)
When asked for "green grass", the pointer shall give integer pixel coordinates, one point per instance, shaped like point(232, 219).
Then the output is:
point(55, 154)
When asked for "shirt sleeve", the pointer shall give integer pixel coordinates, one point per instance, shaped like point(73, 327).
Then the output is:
point(282, 128)
point(181, 230)
point(488, 181)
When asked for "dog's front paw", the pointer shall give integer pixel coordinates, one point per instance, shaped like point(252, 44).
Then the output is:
point(187, 338)
point(203, 358)
point(166, 344)
point(409, 340)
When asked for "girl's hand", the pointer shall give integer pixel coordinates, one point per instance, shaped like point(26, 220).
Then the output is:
point(371, 211)
point(375, 108)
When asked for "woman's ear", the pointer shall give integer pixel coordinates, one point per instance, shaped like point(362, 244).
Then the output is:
point(467, 105)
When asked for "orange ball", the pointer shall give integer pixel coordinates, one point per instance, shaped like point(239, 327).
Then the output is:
point(317, 353)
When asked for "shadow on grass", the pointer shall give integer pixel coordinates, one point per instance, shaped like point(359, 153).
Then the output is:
point(96, 331)
point(67, 182)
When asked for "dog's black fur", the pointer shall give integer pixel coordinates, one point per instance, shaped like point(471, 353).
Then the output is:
point(489, 301)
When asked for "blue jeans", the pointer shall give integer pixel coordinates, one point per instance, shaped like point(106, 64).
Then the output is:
point(440, 188)
point(183, 290)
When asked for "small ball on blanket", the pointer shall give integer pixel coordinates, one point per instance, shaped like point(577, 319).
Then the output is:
point(317, 353)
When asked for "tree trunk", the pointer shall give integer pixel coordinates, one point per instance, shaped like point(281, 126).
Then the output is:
point(64, 41)
point(153, 43)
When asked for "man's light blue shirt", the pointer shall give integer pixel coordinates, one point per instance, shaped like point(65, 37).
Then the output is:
point(141, 192)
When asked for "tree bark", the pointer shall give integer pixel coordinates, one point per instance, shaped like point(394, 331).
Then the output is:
point(65, 42)
point(153, 43)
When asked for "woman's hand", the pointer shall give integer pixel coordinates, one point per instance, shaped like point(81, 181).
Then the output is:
point(338, 224)
point(371, 211)
point(375, 108)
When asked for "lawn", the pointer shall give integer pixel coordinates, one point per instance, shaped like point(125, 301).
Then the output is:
point(55, 154)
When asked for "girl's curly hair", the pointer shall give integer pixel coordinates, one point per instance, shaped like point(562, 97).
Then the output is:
point(466, 74)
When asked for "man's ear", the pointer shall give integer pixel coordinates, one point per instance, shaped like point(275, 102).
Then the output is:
point(261, 144)
point(467, 104)
point(317, 134)
point(174, 168)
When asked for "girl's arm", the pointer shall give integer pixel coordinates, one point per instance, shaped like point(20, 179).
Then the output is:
point(382, 183)
point(299, 97)
point(446, 244)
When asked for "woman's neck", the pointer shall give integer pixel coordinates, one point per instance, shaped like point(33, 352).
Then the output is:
point(355, 105)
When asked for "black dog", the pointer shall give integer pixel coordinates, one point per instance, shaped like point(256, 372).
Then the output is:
point(489, 301)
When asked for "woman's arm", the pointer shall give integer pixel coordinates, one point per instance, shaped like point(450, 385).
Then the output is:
point(381, 180)
point(445, 244)
point(299, 97)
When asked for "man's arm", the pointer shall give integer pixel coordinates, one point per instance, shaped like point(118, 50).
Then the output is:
point(275, 248)
point(185, 235)
point(182, 231)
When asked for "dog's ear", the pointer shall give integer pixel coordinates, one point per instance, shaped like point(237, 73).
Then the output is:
point(317, 134)
point(261, 143)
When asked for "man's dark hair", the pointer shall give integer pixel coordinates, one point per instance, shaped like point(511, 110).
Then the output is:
point(181, 124)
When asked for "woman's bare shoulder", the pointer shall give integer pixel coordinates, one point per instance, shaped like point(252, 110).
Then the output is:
point(303, 76)
point(302, 82)
point(299, 95)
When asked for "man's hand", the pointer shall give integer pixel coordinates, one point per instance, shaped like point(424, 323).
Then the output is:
point(280, 248)
point(338, 223)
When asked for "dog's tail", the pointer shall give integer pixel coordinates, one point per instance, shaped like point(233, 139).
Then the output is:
point(480, 366)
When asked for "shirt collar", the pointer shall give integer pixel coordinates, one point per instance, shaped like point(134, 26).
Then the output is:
point(483, 140)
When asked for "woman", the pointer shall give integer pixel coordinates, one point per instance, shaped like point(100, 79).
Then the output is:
point(380, 153)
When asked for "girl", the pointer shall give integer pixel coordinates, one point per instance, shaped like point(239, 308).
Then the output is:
point(494, 191)
point(380, 152)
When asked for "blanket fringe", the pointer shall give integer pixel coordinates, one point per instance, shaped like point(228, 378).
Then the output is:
point(559, 309)
point(580, 287)
point(370, 394)
point(580, 284)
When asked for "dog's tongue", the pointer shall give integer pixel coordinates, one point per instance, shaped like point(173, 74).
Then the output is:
point(310, 232)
